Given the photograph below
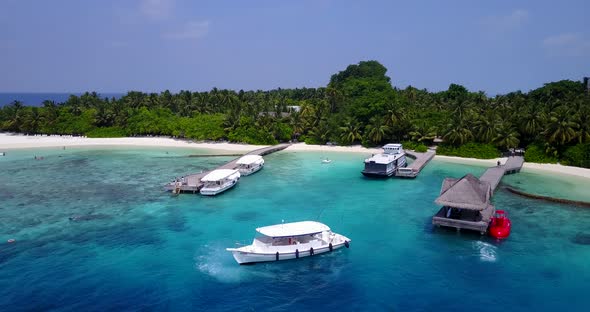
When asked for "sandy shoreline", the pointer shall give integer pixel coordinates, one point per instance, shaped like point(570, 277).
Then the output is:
point(527, 167)
point(10, 141)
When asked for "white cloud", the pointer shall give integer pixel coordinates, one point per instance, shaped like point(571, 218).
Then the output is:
point(191, 30)
point(156, 9)
point(508, 22)
point(571, 44)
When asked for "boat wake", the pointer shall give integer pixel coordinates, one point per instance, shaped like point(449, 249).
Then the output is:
point(219, 264)
point(487, 252)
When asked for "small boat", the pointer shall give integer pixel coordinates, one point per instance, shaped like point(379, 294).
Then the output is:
point(500, 225)
point(290, 241)
point(326, 161)
point(2, 154)
point(219, 180)
point(249, 164)
point(406, 173)
point(386, 164)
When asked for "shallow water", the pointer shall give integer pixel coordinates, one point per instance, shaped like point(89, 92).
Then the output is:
point(555, 185)
point(145, 249)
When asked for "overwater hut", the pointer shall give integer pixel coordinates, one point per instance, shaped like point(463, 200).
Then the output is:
point(466, 204)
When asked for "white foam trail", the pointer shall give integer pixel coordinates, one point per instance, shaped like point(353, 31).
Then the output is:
point(487, 252)
point(219, 264)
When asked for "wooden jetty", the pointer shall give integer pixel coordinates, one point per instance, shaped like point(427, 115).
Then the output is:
point(420, 161)
point(192, 183)
point(467, 201)
point(494, 174)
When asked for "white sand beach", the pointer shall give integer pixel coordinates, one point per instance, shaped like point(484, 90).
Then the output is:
point(10, 141)
point(325, 148)
point(16, 141)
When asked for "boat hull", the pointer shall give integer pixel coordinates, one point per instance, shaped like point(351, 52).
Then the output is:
point(213, 192)
point(245, 172)
point(382, 175)
point(243, 257)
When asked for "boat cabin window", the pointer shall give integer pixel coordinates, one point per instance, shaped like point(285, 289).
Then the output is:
point(391, 150)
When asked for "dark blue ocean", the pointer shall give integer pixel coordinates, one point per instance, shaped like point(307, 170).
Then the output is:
point(36, 99)
point(147, 250)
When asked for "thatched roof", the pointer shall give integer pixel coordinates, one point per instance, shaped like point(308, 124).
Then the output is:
point(465, 193)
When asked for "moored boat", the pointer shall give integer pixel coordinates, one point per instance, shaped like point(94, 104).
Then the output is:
point(219, 180)
point(290, 241)
point(250, 164)
point(385, 164)
point(500, 225)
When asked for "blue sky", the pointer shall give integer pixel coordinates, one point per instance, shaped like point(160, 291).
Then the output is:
point(153, 45)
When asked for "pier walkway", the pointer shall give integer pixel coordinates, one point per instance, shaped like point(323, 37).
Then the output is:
point(494, 174)
point(420, 161)
point(467, 201)
point(192, 183)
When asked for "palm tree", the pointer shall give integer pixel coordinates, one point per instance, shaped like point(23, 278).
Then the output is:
point(321, 132)
point(532, 121)
point(33, 120)
point(394, 115)
point(561, 128)
point(185, 103)
point(583, 121)
point(308, 113)
point(296, 122)
point(104, 117)
point(423, 133)
point(460, 108)
point(376, 130)
point(15, 115)
point(350, 132)
point(507, 136)
point(457, 134)
point(50, 115)
point(334, 97)
point(486, 127)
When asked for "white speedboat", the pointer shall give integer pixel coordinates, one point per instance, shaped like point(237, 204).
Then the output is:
point(219, 180)
point(290, 241)
point(385, 164)
point(326, 161)
point(249, 164)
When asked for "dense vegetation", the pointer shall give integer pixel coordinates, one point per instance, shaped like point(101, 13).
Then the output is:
point(359, 105)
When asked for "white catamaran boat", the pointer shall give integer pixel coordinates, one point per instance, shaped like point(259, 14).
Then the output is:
point(290, 241)
point(219, 180)
point(386, 164)
point(249, 164)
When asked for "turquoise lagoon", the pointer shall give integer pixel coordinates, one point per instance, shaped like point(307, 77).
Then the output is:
point(148, 250)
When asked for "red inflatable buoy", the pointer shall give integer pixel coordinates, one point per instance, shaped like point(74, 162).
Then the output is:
point(500, 225)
